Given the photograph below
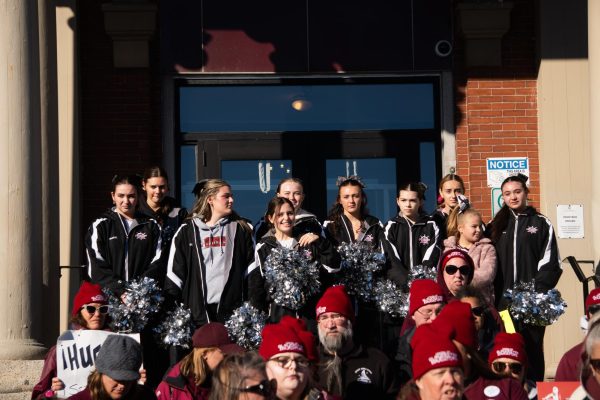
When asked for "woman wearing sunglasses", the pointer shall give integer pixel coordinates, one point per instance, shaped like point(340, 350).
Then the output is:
point(454, 272)
point(89, 312)
point(508, 358)
point(487, 320)
point(590, 373)
point(241, 377)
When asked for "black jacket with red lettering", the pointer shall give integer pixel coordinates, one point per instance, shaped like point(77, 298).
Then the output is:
point(186, 271)
point(116, 256)
point(527, 250)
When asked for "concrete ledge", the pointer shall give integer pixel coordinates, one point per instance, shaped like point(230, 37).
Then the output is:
point(17, 378)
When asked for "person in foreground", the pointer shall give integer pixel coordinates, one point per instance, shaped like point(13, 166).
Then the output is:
point(436, 365)
point(241, 377)
point(590, 373)
point(117, 370)
point(89, 312)
point(191, 378)
point(508, 358)
point(349, 369)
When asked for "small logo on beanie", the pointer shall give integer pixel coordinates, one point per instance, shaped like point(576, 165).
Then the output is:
point(424, 239)
point(434, 298)
point(507, 351)
point(290, 346)
point(98, 297)
point(443, 356)
point(321, 310)
point(596, 297)
point(141, 235)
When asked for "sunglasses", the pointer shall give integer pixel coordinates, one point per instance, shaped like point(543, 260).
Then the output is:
point(264, 388)
point(515, 367)
point(477, 311)
point(92, 309)
point(463, 269)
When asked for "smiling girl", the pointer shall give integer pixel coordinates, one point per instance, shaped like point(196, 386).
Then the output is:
point(450, 186)
point(280, 215)
point(209, 256)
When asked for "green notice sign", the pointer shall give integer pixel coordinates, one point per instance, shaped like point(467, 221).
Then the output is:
point(497, 201)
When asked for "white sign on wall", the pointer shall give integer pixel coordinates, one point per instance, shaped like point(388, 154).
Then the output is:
point(498, 169)
point(75, 355)
point(569, 221)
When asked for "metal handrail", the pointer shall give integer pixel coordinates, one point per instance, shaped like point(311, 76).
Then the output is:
point(585, 280)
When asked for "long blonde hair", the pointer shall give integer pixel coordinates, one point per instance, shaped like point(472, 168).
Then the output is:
point(195, 365)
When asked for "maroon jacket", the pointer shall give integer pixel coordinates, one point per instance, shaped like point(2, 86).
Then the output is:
point(178, 387)
point(506, 388)
point(569, 367)
point(48, 372)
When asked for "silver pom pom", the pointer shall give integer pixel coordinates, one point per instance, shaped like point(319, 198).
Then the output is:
point(291, 277)
point(534, 308)
point(359, 265)
point(176, 329)
point(421, 272)
point(245, 326)
point(390, 299)
point(140, 301)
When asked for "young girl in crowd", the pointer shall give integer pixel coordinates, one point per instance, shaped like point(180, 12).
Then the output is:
point(451, 186)
point(526, 250)
point(280, 216)
point(465, 233)
point(306, 225)
point(156, 204)
point(123, 244)
point(413, 236)
point(210, 255)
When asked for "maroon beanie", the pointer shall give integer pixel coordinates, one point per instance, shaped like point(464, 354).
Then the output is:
point(432, 349)
point(279, 338)
point(592, 299)
point(457, 315)
point(336, 299)
point(508, 345)
point(88, 293)
point(214, 334)
point(423, 292)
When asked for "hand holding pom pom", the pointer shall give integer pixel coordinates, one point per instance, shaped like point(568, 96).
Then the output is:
point(245, 326)
point(534, 308)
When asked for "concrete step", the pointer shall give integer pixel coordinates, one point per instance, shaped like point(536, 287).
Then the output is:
point(17, 378)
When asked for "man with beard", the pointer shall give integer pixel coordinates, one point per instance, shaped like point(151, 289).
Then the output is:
point(348, 369)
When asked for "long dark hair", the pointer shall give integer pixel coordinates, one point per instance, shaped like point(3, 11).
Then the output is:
point(500, 221)
point(336, 212)
point(158, 172)
point(273, 208)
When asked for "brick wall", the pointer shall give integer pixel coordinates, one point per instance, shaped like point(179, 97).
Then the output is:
point(120, 113)
point(497, 110)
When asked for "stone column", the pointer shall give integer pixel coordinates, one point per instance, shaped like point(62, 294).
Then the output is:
point(50, 289)
point(20, 182)
point(594, 70)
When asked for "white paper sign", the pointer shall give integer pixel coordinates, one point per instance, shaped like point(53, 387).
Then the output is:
point(76, 352)
point(569, 218)
point(498, 169)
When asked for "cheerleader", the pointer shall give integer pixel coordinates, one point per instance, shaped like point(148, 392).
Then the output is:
point(413, 236)
point(157, 205)
point(526, 249)
point(209, 256)
point(123, 244)
point(306, 225)
point(451, 186)
point(280, 216)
